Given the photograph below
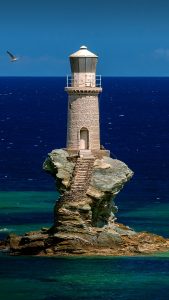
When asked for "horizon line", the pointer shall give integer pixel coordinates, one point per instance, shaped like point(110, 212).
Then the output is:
point(103, 76)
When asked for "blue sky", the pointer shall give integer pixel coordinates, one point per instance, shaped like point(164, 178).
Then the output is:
point(130, 37)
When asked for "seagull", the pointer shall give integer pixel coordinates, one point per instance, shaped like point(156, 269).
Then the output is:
point(12, 57)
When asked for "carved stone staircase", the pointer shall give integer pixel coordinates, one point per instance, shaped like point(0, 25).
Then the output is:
point(83, 170)
point(80, 180)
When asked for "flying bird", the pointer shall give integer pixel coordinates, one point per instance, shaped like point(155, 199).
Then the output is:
point(12, 57)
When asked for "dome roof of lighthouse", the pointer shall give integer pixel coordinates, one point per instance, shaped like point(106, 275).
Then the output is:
point(83, 52)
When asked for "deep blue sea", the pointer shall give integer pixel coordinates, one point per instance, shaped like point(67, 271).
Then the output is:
point(134, 118)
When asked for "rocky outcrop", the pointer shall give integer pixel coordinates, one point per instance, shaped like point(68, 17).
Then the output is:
point(60, 167)
point(107, 179)
point(89, 201)
point(97, 242)
point(85, 221)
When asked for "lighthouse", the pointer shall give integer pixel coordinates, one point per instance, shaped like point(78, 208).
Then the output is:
point(83, 88)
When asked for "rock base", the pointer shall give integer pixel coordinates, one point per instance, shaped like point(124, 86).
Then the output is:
point(97, 242)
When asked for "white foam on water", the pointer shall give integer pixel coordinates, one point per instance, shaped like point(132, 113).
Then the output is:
point(4, 229)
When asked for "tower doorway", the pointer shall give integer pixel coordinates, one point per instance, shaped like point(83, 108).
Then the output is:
point(84, 139)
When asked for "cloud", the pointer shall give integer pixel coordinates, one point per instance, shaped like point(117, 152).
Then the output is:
point(161, 53)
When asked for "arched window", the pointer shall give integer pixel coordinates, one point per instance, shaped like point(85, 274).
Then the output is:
point(84, 138)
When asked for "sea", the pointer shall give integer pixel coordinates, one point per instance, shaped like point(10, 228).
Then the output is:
point(134, 122)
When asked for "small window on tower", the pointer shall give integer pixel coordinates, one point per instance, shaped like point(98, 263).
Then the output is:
point(70, 105)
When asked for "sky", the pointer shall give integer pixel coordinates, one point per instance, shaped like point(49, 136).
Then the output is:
point(130, 37)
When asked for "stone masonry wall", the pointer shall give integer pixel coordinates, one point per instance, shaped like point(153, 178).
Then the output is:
point(83, 111)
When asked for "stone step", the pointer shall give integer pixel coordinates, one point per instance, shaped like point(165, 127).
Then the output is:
point(83, 179)
point(82, 170)
point(80, 177)
point(74, 191)
point(81, 174)
point(79, 183)
point(81, 188)
point(77, 186)
point(77, 191)
point(84, 160)
point(82, 164)
point(83, 167)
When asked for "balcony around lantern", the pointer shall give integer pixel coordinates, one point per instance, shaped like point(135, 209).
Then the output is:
point(83, 83)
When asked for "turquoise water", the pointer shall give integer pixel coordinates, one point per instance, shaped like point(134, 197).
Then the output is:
point(38, 278)
point(152, 218)
point(25, 278)
point(25, 211)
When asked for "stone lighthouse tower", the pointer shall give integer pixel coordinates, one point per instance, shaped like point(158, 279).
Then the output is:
point(83, 88)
